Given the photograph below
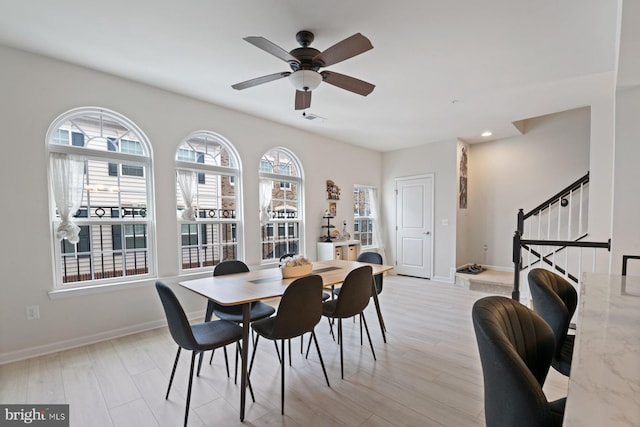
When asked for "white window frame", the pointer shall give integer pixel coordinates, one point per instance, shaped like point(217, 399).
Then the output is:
point(233, 172)
point(284, 182)
point(89, 153)
point(360, 218)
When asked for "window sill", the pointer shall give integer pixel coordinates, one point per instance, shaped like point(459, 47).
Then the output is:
point(122, 286)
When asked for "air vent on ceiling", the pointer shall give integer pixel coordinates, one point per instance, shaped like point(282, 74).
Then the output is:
point(314, 117)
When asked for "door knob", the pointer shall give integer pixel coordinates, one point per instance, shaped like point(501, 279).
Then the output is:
point(427, 232)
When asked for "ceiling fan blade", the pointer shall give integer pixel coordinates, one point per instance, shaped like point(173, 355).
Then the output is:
point(347, 48)
point(272, 48)
point(303, 99)
point(348, 83)
point(260, 80)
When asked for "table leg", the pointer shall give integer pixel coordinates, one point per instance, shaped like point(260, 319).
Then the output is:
point(246, 311)
point(377, 304)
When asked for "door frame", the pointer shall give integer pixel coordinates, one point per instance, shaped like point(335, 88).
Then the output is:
point(395, 216)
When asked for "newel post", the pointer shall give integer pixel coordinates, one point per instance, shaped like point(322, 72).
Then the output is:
point(517, 263)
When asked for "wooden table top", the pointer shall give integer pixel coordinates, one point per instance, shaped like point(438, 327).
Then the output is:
point(241, 288)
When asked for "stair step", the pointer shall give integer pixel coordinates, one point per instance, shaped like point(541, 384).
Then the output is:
point(488, 281)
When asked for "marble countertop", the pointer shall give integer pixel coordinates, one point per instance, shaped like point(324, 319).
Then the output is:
point(604, 386)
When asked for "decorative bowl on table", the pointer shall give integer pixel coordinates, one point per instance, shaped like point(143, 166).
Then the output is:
point(295, 267)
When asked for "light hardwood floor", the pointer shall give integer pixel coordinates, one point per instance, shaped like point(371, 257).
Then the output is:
point(427, 374)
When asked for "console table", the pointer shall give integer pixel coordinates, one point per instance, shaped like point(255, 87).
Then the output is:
point(347, 250)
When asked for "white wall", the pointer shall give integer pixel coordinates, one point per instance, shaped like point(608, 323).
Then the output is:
point(626, 205)
point(35, 90)
point(521, 172)
point(438, 158)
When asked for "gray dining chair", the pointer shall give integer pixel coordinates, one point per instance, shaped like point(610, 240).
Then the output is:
point(299, 311)
point(197, 338)
point(352, 300)
point(555, 299)
point(516, 347)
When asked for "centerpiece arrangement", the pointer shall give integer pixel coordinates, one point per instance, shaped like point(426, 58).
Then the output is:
point(295, 266)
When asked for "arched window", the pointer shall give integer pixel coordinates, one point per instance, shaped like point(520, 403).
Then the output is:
point(208, 194)
point(101, 200)
point(281, 206)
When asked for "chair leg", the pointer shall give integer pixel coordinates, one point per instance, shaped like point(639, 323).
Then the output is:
point(306, 356)
point(366, 328)
point(331, 329)
point(253, 355)
point(301, 343)
point(173, 372)
point(235, 375)
point(226, 359)
point(200, 362)
point(253, 397)
point(313, 336)
point(186, 411)
point(289, 341)
point(275, 343)
point(282, 377)
point(340, 341)
point(360, 328)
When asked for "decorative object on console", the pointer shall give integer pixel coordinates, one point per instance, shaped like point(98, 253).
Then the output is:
point(345, 232)
point(328, 217)
point(333, 191)
point(332, 209)
point(295, 266)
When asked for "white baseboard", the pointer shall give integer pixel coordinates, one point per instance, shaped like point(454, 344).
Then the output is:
point(27, 353)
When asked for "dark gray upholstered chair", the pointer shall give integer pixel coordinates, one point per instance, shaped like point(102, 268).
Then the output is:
point(299, 311)
point(555, 300)
point(325, 296)
point(352, 300)
point(259, 310)
point(371, 258)
point(516, 346)
point(198, 337)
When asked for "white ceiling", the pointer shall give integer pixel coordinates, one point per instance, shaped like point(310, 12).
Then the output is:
point(442, 69)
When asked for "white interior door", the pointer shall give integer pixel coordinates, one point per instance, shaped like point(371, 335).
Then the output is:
point(414, 226)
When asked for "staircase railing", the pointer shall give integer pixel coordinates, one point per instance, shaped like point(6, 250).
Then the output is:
point(568, 224)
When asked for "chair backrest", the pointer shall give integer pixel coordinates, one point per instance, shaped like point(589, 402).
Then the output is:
point(373, 258)
point(355, 292)
point(516, 346)
point(176, 319)
point(291, 255)
point(300, 308)
point(229, 267)
point(555, 300)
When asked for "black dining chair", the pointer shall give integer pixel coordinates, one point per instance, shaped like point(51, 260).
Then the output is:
point(372, 258)
point(352, 300)
point(555, 300)
point(198, 338)
point(516, 347)
point(299, 311)
point(259, 310)
point(325, 296)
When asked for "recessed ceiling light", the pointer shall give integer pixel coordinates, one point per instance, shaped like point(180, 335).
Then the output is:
point(486, 133)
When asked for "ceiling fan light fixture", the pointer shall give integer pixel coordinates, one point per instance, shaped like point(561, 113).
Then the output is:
point(305, 80)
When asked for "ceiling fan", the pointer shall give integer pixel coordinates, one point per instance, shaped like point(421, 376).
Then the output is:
point(305, 62)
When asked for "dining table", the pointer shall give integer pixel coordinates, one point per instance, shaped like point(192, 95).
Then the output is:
point(245, 288)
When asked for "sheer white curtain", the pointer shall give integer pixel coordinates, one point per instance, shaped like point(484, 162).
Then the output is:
point(188, 183)
point(67, 180)
point(266, 187)
point(377, 224)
